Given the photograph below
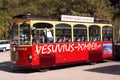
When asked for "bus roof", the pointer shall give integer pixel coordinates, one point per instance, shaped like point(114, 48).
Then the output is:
point(37, 17)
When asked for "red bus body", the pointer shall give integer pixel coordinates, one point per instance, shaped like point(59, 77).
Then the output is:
point(50, 55)
point(82, 42)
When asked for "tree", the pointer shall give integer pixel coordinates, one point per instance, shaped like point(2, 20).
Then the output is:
point(116, 20)
point(101, 9)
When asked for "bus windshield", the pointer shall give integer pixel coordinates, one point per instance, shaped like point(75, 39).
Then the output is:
point(24, 34)
point(21, 35)
point(14, 34)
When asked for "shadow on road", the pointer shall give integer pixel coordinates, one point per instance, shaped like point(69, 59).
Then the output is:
point(113, 69)
point(5, 66)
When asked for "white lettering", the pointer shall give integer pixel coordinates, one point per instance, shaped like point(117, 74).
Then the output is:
point(44, 48)
point(49, 48)
point(38, 49)
point(71, 47)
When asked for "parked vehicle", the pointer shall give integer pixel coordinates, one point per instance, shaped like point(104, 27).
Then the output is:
point(4, 45)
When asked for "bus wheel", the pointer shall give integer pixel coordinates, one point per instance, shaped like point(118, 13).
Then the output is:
point(43, 70)
point(4, 49)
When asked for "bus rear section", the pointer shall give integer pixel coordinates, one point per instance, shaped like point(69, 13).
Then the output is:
point(106, 53)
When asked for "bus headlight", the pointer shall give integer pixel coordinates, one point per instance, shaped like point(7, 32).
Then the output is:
point(29, 58)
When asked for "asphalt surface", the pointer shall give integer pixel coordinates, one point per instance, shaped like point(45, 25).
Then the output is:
point(106, 70)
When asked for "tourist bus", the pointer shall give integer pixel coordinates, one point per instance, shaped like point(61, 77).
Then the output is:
point(71, 42)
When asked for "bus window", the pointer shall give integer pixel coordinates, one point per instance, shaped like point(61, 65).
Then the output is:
point(63, 33)
point(80, 33)
point(43, 33)
point(94, 33)
point(14, 34)
point(107, 33)
point(36, 36)
point(24, 34)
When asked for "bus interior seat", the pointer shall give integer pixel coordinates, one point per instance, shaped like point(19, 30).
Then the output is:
point(60, 39)
point(78, 40)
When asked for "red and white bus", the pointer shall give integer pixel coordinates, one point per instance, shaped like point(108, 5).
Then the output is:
point(72, 42)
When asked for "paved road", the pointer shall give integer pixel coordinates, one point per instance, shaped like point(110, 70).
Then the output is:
point(108, 70)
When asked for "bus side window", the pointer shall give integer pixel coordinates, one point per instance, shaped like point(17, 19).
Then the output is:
point(107, 33)
point(48, 36)
point(94, 33)
point(36, 37)
point(63, 33)
point(80, 33)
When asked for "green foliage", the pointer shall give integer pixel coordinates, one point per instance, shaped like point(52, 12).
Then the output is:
point(101, 9)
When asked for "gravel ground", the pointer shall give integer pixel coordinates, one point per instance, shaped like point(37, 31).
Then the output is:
point(107, 70)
